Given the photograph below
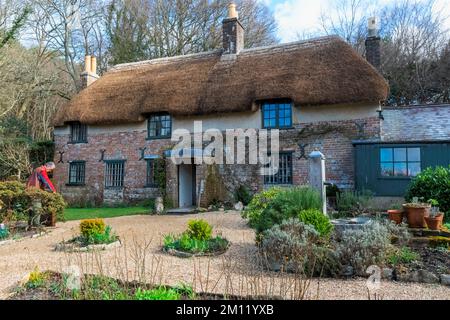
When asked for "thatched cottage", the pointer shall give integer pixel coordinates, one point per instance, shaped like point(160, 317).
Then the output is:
point(320, 93)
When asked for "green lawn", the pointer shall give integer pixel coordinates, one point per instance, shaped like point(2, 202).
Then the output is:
point(90, 213)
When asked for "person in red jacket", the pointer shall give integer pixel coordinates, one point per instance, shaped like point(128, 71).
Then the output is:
point(39, 178)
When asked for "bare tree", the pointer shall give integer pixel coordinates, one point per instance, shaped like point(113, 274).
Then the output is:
point(348, 19)
point(414, 38)
point(144, 29)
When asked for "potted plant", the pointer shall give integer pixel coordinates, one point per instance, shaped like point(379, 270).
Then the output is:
point(416, 213)
point(396, 214)
point(435, 219)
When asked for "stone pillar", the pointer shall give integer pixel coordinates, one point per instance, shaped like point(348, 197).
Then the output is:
point(317, 176)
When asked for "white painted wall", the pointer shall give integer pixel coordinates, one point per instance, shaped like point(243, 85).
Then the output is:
point(246, 120)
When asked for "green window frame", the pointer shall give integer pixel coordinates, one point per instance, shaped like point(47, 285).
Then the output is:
point(78, 133)
point(284, 176)
point(77, 173)
point(277, 115)
point(159, 126)
point(114, 174)
point(400, 161)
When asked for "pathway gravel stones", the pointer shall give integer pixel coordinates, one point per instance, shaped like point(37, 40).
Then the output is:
point(17, 260)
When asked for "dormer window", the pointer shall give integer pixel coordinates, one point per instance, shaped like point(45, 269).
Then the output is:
point(277, 115)
point(159, 126)
point(78, 133)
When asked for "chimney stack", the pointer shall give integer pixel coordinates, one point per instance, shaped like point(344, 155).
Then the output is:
point(89, 75)
point(233, 32)
point(373, 44)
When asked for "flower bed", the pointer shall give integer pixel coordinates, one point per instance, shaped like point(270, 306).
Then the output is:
point(197, 240)
point(94, 235)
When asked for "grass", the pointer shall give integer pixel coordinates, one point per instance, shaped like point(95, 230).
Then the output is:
point(403, 256)
point(71, 214)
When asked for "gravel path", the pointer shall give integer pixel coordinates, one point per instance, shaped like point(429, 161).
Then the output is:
point(235, 272)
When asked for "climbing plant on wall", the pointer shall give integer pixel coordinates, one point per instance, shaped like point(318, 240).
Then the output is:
point(215, 190)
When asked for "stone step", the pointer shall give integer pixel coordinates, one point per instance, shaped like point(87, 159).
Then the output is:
point(181, 211)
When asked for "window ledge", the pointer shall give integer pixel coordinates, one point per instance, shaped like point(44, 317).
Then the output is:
point(158, 138)
point(77, 142)
point(75, 184)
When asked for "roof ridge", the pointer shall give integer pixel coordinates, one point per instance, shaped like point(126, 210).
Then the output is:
point(292, 44)
point(132, 65)
point(262, 49)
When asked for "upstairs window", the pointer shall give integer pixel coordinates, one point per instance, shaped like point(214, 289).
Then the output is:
point(277, 115)
point(114, 174)
point(159, 126)
point(78, 133)
point(77, 172)
point(284, 174)
point(400, 162)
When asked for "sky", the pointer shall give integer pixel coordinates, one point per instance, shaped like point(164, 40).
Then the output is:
point(302, 16)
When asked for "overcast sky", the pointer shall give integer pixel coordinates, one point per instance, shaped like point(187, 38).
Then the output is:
point(299, 16)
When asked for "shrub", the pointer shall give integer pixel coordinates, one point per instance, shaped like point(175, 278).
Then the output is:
point(259, 202)
point(243, 194)
point(17, 200)
point(161, 293)
point(199, 230)
point(90, 227)
point(149, 203)
point(318, 220)
point(102, 238)
point(197, 239)
point(14, 201)
point(402, 256)
point(52, 203)
point(295, 246)
point(353, 203)
point(186, 243)
point(363, 247)
point(432, 183)
point(288, 203)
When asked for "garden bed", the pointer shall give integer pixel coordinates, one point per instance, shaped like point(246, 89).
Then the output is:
point(53, 286)
point(76, 246)
point(196, 241)
point(95, 235)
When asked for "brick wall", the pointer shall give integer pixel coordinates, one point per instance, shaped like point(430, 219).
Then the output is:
point(117, 146)
point(335, 144)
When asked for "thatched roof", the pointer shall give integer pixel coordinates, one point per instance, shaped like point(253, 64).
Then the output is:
point(315, 72)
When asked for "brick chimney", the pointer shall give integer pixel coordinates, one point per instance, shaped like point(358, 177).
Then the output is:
point(373, 44)
point(233, 32)
point(89, 75)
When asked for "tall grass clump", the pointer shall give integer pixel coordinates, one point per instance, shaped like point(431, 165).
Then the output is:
point(288, 203)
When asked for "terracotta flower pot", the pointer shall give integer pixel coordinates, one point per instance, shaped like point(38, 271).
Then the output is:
point(435, 223)
point(396, 216)
point(416, 213)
